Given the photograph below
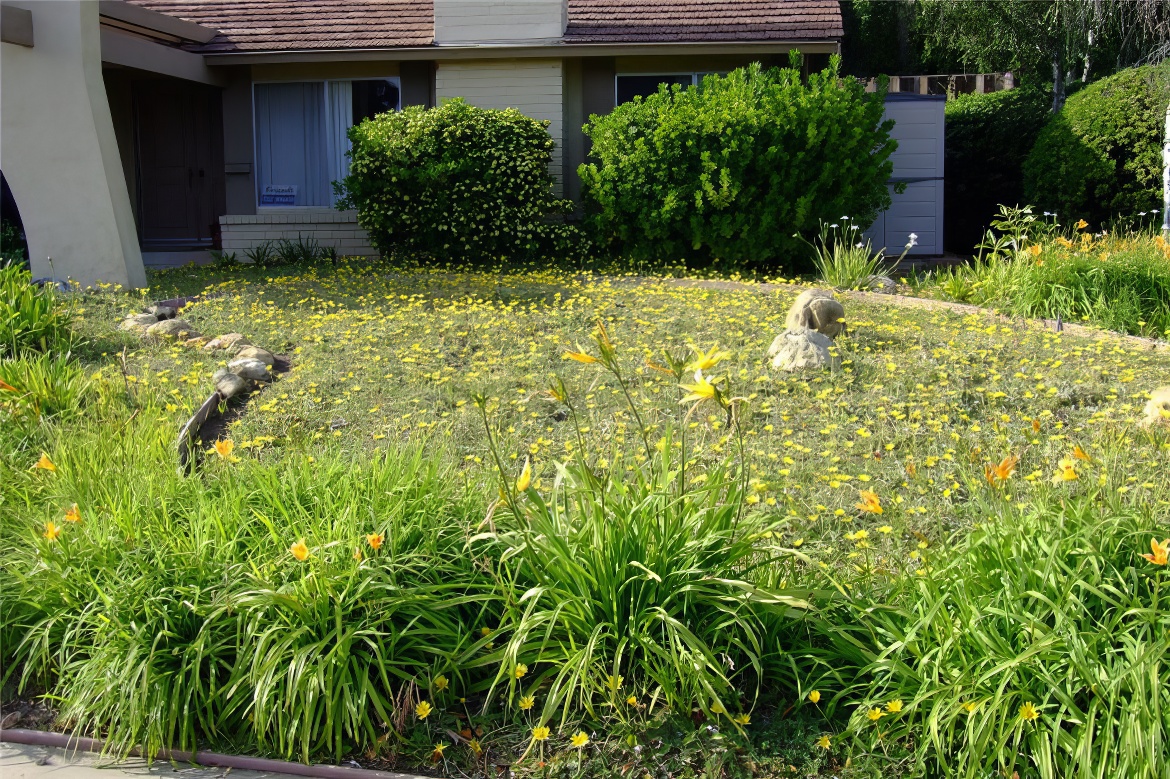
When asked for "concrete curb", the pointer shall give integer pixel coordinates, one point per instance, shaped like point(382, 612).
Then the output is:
point(83, 744)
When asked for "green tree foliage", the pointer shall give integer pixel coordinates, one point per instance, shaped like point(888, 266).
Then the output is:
point(1047, 39)
point(732, 169)
point(988, 137)
point(1101, 156)
point(457, 179)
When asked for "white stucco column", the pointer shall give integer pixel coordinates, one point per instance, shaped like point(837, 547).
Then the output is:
point(58, 150)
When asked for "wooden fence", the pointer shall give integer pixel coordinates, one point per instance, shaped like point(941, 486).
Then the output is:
point(950, 84)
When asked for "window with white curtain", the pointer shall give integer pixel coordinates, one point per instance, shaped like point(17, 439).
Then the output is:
point(301, 140)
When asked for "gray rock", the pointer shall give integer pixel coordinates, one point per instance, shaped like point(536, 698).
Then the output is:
point(228, 384)
point(231, 342)
point(249, 368)
point(162, 312)
point(882, 284)
point(173, 327)
point(817, 310)
point(138, 322)
point(256, 353)
point(802, 349)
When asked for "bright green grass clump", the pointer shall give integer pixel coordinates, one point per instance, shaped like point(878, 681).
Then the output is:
point(663, 564)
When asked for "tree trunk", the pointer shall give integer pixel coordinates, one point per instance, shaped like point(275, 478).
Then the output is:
point(1057, 82)
point(1166, 179)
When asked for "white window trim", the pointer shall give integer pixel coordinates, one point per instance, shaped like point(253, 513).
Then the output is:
point(396, 80)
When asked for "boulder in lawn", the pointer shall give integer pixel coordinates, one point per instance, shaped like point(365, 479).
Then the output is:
point(249, 368)
point(816, 309)
point(171, 328)
point(802, 349)
point(231, 342)
point(228, 384)
point(137, 323)
point(881, 284)
point(256, 353)
point(162, 312)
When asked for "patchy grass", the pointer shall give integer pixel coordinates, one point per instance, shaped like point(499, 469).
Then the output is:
point(386, 361)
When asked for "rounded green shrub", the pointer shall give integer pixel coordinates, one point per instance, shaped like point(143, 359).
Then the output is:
point(456, 180)
point(731, 169)
point(988, 137)
point(1101, 157)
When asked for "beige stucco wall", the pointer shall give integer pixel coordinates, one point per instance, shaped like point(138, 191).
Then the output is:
point(535, 87)
point(496, 21)
point(58, 150)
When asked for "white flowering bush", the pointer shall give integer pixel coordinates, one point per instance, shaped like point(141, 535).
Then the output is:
point(457, 180)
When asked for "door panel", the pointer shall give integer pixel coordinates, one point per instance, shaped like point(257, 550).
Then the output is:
point(179, 135)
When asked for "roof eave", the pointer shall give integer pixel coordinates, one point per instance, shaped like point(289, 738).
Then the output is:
point(523, 51)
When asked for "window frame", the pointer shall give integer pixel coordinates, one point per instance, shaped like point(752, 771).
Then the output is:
point(693, 74)
point(396, 80)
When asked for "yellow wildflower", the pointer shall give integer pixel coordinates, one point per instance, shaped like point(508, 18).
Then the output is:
point(1028, 712)
point(823, 742)
point(299, 550)
point(73, 514)
point(224, 448)
point(520, 670)
point(579, 739)
point(422, 710)
point(525, 479)
point(702, 389)
point(374, 540)
point(894, 706)
point(527, 702)
point(1160, 552)
point(441, 683)
point(742, 719)
point(814, 696)
point(1066, 471)
point(51, 531)
point(540, 734)
point(45, 464)
point(870, 502)
point(705, 361)
point(875, 714)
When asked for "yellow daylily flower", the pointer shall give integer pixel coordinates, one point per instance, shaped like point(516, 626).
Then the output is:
point(702, 389)
point(299, 550)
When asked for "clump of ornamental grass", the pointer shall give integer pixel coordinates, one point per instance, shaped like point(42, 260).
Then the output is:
point(32, 318)
point(638, 574)
point(1036, 643)
point(844, 259)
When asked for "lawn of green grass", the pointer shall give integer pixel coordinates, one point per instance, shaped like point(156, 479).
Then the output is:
point(375, 429)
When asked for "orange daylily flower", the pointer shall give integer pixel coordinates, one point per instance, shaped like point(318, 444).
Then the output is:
point(1002, 472)
point(1080, 454)
point(374, 540)
point(45, 464)
point(51, 531)
point(870, 502)
point(73, 514)
point(299, 550)
point(224, 448)
point(1160, 552)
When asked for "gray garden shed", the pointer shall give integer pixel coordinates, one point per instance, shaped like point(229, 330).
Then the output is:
point(920, 130)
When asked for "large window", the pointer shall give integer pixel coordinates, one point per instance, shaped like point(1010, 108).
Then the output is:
point(630, 85)
point(301, 141)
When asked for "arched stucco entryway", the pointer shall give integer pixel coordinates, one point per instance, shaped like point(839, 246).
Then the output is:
point(59, 153)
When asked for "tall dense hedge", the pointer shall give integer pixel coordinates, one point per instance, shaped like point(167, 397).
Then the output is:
point(988, 137)
point(732, 169)
point(1101, 156)
point(458, 182)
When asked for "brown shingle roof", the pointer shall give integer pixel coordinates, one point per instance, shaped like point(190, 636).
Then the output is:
point(275, 25)
point(661, 21)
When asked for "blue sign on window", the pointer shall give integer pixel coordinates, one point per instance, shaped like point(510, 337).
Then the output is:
point(279, 195)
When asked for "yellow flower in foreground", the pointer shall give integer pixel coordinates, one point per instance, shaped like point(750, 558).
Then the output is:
point(441, 683)
point(614, 682)
point(540, 734)
point(1066, 471)
point(1081, 224)
point(374, 540)
point(823, 742)
point(580, 357)
point(475, 746)
point(525, 479)
point(1002, 472)
point(870, 502)
point(1034, 250)
point(299, 550)
point(702, 389)
point(633, 701)
point(437, 755)
point(705, 361)
point(527, 702)
point(742, 719)
point(815, 696)
point(1080, 454)
point(422, 710)
point(224, 448)
point(52, 531)
point(520, 670)
point(1028, 712)
point(894, 706)
point(73, 514)
point(970, 706)
point(579, 739)
point(45, 464)
point(875, 714)
point(1161, 552)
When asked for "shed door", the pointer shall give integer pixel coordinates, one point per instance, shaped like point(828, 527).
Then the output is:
point(919, 130)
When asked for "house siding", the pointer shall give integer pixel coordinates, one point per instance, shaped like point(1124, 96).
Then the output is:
point(330, 228)
point(534, 87)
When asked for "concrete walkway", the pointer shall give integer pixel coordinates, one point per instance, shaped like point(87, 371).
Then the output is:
point(20, 761)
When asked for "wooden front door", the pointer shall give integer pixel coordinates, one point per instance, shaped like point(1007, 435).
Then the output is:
point(179, 129)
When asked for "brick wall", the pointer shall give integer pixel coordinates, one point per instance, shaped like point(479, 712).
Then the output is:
point(338, 229)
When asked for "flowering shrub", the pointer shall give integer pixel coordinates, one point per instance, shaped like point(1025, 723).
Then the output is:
point(731, 169)
point(457, 180)
point(1101, 156)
